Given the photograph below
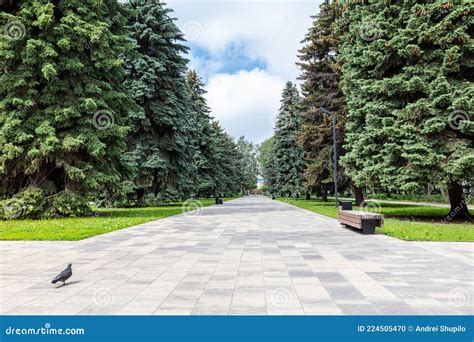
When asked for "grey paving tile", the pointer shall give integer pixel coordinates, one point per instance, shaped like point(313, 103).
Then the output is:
point(251, 256)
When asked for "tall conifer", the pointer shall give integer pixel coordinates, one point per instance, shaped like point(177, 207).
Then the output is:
point(64, 106)
point(408, 76)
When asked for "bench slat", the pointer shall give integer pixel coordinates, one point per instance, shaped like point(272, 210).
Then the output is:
point(363, 214)
point(350, 219)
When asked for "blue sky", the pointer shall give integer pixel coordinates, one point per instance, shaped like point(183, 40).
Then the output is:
point(245, 51)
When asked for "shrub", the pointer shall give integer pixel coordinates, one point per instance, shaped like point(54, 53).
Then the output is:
point(67, 204)
point(29, 203)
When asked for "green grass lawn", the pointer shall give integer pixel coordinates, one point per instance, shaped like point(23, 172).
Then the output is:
point(104, 221)
point(403, 221)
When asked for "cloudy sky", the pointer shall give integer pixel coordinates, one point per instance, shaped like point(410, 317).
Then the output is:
point(245, 51)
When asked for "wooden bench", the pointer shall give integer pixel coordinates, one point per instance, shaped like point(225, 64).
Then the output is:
point(364, 220)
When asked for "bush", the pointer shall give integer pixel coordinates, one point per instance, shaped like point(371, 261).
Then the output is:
point(30, 203)
point(414, 198)
point(67, 204)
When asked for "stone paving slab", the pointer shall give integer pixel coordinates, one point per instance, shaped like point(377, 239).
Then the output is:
point(250, 256)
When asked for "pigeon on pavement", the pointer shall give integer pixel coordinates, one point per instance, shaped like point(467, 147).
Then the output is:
point(64, 275)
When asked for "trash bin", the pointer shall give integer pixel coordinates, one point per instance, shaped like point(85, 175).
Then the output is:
point(346, 205)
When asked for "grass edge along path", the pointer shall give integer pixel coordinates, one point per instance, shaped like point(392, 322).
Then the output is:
point(106, 220)
point(401, 228)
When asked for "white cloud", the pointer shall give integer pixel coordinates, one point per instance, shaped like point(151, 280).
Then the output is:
point(269, 31)
point(245, 102)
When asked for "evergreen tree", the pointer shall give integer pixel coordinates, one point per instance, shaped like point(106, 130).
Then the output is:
point(64, 106)
point(288, 159)
point(407, 76)
point(228, 160)
point(248, 165)
point(161, 146)
point(204, 157)
point(321, 72)
point(265, 158)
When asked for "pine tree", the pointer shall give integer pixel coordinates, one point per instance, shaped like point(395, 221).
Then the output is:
point(321, 72)
point(228, 160)
point(204, 157)
point(408, 73)
point(161, 146)
point(64, 107)
point(288, 159)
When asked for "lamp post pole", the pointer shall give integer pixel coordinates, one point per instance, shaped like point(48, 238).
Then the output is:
point(334, 146)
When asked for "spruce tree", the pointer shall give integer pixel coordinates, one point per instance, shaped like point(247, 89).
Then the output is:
point(320, 89)
point(265, 167)
point(289, 157)
point(248, 165)
point(205, 154)
point(321, 72)
point(64, 108)
point(160, 144)
point(408, 76)
point(228, 160)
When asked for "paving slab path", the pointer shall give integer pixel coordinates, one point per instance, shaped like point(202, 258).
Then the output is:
point(250, 256)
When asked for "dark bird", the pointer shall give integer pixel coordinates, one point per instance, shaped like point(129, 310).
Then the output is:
point(64, 275)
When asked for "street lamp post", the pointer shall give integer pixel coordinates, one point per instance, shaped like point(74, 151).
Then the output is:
point(334, 146)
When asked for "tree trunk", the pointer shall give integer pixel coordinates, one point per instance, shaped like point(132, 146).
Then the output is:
point(140, 193)
point(358, 194)
point(458, 204)
point(324, 195)
point(308, 196)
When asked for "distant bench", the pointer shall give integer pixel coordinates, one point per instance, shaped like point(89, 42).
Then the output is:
point(361, 219)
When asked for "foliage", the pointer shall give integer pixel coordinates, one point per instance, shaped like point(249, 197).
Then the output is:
point(320, 73)
point(228, 172)
point(264, 157)
point(248, 164)
point(288, 157)
point(29, 203)
point(95, 103)
point(407, 76)
point(62, 77)
point(67, 204)
point(414, 198)
point(160, 143)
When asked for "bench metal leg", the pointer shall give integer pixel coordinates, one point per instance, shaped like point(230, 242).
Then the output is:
point(368, 226)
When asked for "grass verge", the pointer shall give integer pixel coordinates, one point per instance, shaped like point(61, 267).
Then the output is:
point(104, 221)
point(403, 221)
